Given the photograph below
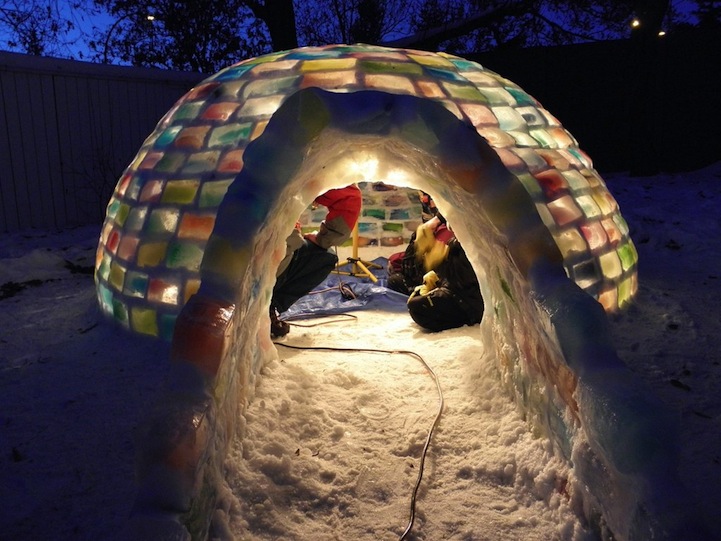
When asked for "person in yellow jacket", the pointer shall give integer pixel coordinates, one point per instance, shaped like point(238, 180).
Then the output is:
point(450, 295)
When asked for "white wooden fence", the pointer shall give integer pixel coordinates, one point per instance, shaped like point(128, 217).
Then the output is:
point(67, 131)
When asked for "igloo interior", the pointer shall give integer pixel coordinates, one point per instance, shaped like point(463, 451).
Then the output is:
point(197, 224)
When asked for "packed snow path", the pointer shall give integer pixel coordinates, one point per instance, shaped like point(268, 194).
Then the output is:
point(333, 441)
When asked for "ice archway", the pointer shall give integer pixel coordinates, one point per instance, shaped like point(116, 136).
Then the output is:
point(202, 213)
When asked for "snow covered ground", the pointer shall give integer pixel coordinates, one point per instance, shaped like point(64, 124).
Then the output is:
point(333, 439)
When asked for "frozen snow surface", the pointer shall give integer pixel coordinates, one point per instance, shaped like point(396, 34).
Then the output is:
point(333, 439)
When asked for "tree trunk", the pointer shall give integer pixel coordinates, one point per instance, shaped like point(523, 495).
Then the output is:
point(279, 17)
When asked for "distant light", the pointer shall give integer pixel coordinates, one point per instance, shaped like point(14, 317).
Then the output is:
point(150, 17)
point(635, 23)
point(661, 33)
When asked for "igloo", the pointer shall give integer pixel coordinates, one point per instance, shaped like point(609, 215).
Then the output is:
point(196, 227)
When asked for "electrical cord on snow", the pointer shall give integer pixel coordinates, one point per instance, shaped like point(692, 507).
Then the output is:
point(338, 317)
point(437, 418)
point(345, 291)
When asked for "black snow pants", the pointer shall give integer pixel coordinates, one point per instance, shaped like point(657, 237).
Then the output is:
point(308, 267)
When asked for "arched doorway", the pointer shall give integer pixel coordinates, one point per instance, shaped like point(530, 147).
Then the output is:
point(320, 140)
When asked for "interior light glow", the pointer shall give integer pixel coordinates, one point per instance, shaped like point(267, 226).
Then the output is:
point(396, 177)
point(364, 166)
point(635, 23)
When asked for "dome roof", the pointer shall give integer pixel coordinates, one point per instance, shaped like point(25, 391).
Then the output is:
point(164, 207)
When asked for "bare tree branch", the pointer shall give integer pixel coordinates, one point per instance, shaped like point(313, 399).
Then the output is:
point(455, 29)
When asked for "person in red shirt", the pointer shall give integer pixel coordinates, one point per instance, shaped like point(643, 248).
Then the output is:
point(308, 260)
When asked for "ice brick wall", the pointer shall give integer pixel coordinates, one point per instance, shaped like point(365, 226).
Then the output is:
point(163, 209)
point(389, 217)
point(206, 205)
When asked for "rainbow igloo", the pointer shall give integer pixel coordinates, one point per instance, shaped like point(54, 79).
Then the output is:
point(165, 206)
point(196, 228)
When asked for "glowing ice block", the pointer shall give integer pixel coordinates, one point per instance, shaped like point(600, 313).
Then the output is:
point(214, 190)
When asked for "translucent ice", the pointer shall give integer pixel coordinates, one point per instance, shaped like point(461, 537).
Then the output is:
point(197, 224)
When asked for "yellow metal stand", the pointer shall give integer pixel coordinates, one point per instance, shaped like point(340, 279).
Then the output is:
point(358, 267)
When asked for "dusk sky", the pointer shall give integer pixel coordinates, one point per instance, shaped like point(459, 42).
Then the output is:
point(84, 25)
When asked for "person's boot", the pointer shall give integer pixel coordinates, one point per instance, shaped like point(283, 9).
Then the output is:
point(278, 327)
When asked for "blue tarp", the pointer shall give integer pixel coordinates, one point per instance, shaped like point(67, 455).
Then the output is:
point(327, 297)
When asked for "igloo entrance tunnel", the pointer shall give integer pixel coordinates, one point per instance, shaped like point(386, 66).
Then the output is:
point(196, 228)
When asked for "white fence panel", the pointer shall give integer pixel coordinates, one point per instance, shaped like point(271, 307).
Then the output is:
point(67, 131)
